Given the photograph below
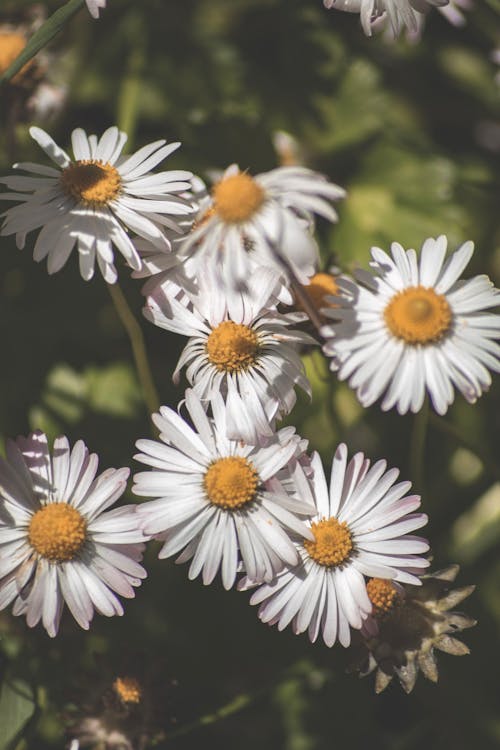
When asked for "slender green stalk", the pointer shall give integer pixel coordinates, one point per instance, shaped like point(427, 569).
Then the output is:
point(128, 99)
point(136, 337)
point(417, 454)
point(233, 707)
point(42, 37)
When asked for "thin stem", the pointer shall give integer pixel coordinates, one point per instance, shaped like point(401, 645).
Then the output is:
point(42, 37)
point(129, 96)
point(305, 301)
point(417, 455)
point(136, 337)
point(237, 704)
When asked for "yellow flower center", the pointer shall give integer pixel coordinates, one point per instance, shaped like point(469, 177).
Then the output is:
point(382, 594)
point(128, 689)
point(232, 347)
point(237, 198)
point(11, 46)
point(332, 542)
point(418, 315)
point(91, 182)
point(231, 482)
point(320, 286)
point(57, 532)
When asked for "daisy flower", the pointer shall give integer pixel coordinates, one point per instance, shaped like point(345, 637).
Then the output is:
point(411, 327)
point(360, 529)
point(93, 200)
point(400, 13)
point(239, 346)
point(58, 542)
point(262, 220)
point(219, 500)
point(94, 6)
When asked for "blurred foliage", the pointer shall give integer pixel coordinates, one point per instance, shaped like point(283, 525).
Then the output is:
point(412, 130)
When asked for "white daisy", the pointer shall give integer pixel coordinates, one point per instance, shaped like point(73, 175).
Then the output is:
point(360, 529)
point(261, 221)
point(92, 201)
point(94, 6)
point(400, 13)
point(239, 346)
point(56, 542)
point(414, 327)
point(218, 499)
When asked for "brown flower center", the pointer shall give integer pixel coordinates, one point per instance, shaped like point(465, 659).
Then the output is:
point(91, 182)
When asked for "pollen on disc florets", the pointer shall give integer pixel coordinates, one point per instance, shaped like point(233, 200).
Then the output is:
point(91, 182)
point(57, 532)
point(418, 315)
point(383, 595)
point(232, 347)
point(332, 544)
point(231, 483)
point(237, 198)
point(128, 690)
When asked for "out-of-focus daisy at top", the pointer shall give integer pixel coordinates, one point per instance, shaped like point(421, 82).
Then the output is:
point(262, 220)
point(93, 200)
point(360, 528)
point(239, 346)
point(58, 540)
point(400, 13)
point(219, 500)
point(412, 326)
point(95, 6)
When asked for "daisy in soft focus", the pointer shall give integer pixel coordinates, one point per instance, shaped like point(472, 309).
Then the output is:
point(361, 528)
point(400, 13)
point(219, 500)
point(412, 326)
point(59, 543)
point(95, 6)
point(93, 200)
point(260, 221)
point(239, 346)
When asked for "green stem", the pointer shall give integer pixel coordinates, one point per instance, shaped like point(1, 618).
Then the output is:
point(136, 337)
point(233, 707)
point(417, 454)
point(129, 95)
point(42, 37)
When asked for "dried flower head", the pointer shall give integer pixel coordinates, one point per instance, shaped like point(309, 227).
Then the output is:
point(408, 623)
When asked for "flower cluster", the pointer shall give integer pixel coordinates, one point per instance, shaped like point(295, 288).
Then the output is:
point(235, 268)
point(229, 490)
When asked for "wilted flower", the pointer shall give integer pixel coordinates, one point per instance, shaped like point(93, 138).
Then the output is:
point(408, 623)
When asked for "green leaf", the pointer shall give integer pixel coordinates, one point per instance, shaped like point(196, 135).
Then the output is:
point(17, 706)
point(42, 37)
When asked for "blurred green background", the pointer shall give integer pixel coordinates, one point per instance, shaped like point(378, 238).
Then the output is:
point(412, 130)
